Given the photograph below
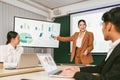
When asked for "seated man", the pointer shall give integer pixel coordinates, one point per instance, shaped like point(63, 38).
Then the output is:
point(109, 69)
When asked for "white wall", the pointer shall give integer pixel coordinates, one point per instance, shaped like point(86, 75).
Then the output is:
point(61, 11)
point(7, 13)
point(22, 4)
point(82, 6)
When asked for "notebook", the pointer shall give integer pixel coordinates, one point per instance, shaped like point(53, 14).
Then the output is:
point(49, 65)
point(26, 61)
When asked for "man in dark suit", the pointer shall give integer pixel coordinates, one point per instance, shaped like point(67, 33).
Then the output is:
point(109, 69)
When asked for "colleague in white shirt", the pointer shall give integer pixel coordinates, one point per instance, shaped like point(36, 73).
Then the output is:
point(10, 53)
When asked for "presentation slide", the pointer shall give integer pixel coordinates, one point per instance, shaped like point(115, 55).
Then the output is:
point(94, 24)
point(36, 33)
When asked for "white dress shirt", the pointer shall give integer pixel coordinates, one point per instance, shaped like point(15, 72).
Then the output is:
point(9, 55)
point(79, 40)
point(112, 46)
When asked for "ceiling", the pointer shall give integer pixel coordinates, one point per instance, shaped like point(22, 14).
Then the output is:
point(52, 4)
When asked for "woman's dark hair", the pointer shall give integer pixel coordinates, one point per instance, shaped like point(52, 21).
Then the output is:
point(81, 21)
point(113, 16)
point(10, 35)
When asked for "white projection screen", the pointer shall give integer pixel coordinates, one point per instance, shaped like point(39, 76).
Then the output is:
point(36, 33)
point(94, 24)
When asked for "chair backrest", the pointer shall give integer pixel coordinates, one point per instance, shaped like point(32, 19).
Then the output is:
point(3, 50)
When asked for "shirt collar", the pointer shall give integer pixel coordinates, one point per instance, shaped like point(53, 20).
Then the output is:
point(114, 44)
point(11, 47)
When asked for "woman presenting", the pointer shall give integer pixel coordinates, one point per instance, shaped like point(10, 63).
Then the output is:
point(82, 44)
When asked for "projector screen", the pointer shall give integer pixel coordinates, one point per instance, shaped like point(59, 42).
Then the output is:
point(36, 33)
point(94, 24)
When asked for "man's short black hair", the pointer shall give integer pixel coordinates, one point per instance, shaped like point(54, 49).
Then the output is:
point(113, 16)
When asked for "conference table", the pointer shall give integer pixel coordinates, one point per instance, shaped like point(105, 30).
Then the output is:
point(36, 73)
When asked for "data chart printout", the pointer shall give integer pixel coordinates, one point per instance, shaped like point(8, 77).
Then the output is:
point(36, 33)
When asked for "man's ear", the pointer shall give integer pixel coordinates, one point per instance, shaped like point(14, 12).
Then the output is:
point(109, 26)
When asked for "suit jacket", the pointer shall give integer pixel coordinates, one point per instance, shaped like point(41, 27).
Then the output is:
point(108, 70)
point(87, 43)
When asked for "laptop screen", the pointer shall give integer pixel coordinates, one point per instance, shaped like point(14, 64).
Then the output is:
point(47, 62)
point(28, 60)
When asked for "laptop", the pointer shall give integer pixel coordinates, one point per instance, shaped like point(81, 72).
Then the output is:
point(27, 60)
point(49, 65)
